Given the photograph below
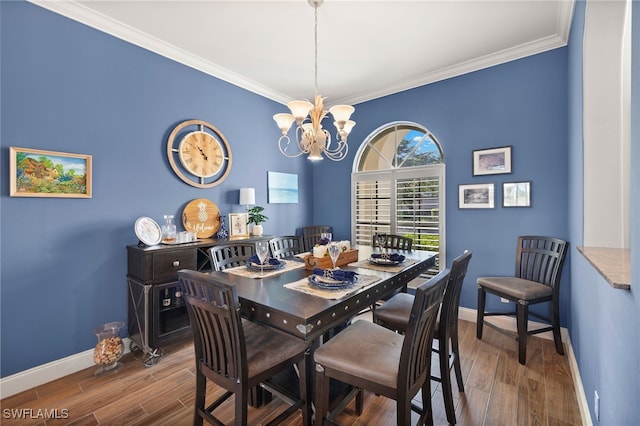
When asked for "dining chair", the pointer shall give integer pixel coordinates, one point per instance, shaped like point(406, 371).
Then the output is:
point(237, 354)
point(368, 356)
point(286, 246)
point(311, 235)
point(539, 262)
point(394, 315)
point(397, 242)
point(230, 255)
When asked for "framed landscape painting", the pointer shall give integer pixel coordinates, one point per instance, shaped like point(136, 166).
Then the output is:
point(492, 161)
point(478, 196)
point(39, 173)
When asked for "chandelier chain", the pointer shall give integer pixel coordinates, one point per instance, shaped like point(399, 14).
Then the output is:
point(315, 40)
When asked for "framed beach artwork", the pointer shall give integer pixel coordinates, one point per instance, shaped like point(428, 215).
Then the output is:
point(476, 196)
point(283, 187)
point(39, 173)
point(492, 161)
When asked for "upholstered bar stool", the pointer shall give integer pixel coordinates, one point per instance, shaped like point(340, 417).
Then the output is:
point(394, 315)
point(368, 356)
point(539, 263)
point(237, 354)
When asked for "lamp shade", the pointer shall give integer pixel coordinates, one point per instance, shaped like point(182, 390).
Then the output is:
point(247, 196)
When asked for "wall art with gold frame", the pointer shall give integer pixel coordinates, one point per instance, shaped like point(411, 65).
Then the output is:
point(41, 173)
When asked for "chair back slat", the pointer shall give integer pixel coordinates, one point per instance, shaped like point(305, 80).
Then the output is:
point(311, 235)
point(230, 255)
point(540, 259)
point(286, 246)
point(415, 358)
point(214, 311)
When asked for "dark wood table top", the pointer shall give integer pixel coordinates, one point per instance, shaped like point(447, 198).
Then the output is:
point(306, 316)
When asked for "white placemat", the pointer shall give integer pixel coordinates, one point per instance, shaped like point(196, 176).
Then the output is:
point(305, 286)
point(246, 272)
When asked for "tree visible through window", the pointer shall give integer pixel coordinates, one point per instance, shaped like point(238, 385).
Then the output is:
point(398, 186)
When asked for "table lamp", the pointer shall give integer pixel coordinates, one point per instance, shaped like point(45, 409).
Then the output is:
point(247, 196)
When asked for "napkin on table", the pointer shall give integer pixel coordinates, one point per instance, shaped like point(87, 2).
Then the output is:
point(394, 257)
point(270, 261)
point(336, 274)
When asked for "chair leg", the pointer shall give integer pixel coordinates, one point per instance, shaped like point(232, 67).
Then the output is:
point(522, 308)
point(302, 377)
point(456, 357)
point(201, 389)
point(445, 379)
point(556, 327)
point(242, 401)
point(322, 395)
point(427, 410)
point(403, 410)
point(480, 315)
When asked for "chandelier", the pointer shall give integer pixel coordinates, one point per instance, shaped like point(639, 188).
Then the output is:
point(310, 137)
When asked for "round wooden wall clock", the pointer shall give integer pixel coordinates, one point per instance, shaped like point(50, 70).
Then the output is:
point(199, 154)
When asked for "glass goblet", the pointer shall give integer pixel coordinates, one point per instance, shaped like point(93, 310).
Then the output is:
point(334, 252)
point(262, 250)
point(382, 241)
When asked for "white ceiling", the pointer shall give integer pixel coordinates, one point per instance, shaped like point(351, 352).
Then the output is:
point(367, 49)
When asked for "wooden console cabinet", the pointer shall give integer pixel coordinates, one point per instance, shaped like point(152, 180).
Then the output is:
point(157, 314)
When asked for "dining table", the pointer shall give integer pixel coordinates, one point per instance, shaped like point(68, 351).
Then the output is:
point(285, 299)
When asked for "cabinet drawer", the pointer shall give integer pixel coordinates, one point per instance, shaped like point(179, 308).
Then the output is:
point(166, 265)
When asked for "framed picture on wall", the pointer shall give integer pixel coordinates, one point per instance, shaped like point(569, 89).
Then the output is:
point(476, 196)
point(238, 226)
point(516, 194)
point(39, 173)
point(492, 161)
point(283, 187)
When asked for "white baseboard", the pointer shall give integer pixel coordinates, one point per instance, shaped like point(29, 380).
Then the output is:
point(509, 323)
point(48, 372)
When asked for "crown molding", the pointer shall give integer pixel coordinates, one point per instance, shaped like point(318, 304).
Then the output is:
point(89, 17)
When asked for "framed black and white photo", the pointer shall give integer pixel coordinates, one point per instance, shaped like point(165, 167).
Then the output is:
point(492, 161)
point(476, 196)
point(516, 194)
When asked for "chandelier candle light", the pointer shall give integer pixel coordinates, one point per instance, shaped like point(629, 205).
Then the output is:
point(311, 138)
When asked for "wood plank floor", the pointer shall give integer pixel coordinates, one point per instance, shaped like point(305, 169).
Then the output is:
point(498, 391)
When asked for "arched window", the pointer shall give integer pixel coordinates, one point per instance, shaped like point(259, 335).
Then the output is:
point(398, 186)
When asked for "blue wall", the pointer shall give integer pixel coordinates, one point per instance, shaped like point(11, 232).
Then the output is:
point(67, 87)
point(523, 104)
point(604, 322)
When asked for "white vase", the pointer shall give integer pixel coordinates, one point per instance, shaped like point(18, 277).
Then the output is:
point(257, 230)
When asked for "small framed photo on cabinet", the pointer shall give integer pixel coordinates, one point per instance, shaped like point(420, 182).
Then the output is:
point(238, 226)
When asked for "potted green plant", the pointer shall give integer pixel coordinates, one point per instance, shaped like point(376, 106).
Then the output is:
point(256, 217)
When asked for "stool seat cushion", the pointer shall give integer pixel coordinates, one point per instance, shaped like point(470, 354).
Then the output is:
point(364, 350)
point(267, 347)
point(518, 288)
point(394, 313)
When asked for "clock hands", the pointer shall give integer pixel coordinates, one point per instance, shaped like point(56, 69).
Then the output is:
point(203, 154)
point(199, 149)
